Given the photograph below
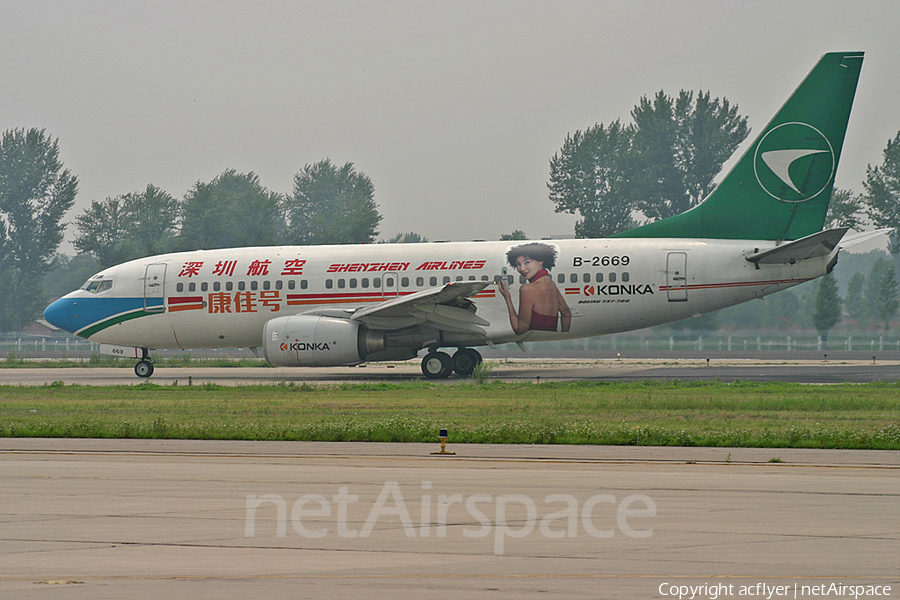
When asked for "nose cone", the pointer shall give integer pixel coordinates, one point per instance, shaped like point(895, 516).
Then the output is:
point(60, 314)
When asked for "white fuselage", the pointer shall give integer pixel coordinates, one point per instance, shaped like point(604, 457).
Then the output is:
point(224, 298)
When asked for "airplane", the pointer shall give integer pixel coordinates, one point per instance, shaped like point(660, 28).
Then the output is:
point(758, 232)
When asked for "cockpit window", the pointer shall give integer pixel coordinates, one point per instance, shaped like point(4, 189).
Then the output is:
point(97, 285)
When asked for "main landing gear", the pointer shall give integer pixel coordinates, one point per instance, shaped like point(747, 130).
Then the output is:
point(439, 365)
point(144, 368)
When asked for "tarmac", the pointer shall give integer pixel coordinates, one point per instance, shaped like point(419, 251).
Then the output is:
point(790, 367)
point(213, 519)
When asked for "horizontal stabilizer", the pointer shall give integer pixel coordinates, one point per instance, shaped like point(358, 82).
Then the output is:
point(817, 244)
point(865, 236)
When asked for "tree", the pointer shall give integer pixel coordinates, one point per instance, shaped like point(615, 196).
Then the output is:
point(69, 273)
point(662, 164)
point(587, 176)
point(881, 291)
point(827, 307)
point(855, 302)
point(35, 193)
point(332, 205)
point(128, 226)
point(513, 236)
point(407, 238)
point(844, 210)
point(232, 210)
point(680, 145)
point(882, 192)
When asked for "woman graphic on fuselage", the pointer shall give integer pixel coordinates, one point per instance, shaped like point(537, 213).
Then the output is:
point(541, 306)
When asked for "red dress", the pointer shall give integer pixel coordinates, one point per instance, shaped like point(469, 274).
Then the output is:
point(541, 322)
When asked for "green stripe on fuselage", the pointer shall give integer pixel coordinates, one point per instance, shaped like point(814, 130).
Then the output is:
point(87, 332)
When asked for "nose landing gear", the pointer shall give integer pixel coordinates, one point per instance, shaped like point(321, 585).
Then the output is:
point(144, 368)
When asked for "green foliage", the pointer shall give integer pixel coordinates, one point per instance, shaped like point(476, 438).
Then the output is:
point(827, 308)
point(35, 193)
point(588, 176)
point(128, 226)
point(233, 210)
point(882, 193)
point(331, 205)
point(662, 164)
point(855, 301)
point(513, 236)
point(844, 210)
point(881, 291)
point(680, 145)
point(407, 238)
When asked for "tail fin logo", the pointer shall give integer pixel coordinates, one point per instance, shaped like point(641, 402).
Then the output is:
point(794, 162)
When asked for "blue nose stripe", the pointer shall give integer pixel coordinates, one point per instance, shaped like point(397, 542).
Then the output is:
point(76, 315)
point(59, 315)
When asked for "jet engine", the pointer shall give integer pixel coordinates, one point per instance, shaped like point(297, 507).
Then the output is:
point(317, 341)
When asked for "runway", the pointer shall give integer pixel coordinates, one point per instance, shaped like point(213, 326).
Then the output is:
point(721, 368)
point(212, 519)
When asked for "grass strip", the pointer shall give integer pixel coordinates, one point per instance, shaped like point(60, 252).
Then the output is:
point(740, 414)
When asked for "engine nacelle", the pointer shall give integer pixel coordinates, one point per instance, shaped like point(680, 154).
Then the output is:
point(316, 341)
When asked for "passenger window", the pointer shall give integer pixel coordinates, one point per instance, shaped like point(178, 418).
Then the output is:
point(446, 280)
point(266, 284)
point(278, 284)
point(216, 286)
point(376, 282)
point(404, 281)
point(521, 279)
point(341, 283)
point(242, 285)
point(329, 283)
point(204, 287)
point(573, 277)
point(365, 282)
point(459, 278)
point(432, 281)
point(599, 278)
point(510, 279)
point(485, 278)
point(586, 278)
point(178, 288)
point(353, 282)
point(561, 278)
point(420, 281)
point(229, 286)
point(612, 277)
point(254, 284)
point(304, 284)
point(192, 287)
point(626, 276)
point(292, 284)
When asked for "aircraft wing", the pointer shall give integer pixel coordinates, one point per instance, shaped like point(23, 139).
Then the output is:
point(446, 308)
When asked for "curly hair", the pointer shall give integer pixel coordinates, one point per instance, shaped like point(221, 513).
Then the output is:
point(544, 253)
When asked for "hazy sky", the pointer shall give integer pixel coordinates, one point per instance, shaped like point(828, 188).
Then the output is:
point(452, 108)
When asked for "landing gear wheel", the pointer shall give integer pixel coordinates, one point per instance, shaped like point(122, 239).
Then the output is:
point(465, 361)
point(143, 369)
point(437, 365)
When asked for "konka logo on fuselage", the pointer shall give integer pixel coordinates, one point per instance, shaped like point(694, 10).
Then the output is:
point(305, 346)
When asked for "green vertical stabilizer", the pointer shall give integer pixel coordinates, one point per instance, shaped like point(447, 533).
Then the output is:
point(781, 187)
